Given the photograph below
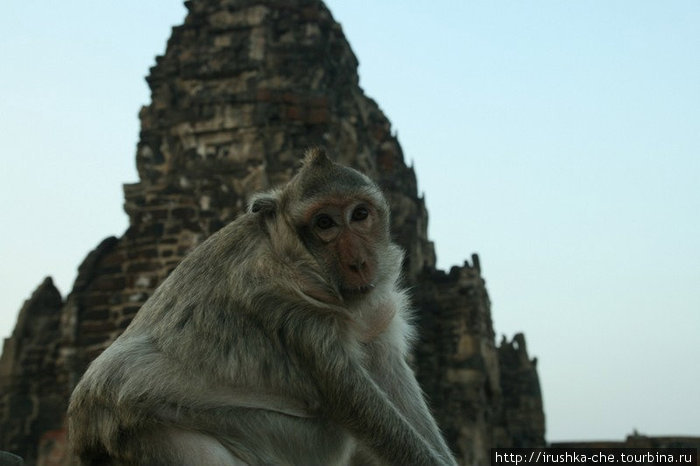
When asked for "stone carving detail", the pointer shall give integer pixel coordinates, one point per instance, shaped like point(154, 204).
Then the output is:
point(522, 398)
point(29, 403)
point(243, 88)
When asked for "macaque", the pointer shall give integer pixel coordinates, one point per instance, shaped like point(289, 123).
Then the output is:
point(281, 339)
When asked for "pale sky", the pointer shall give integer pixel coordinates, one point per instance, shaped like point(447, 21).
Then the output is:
point(558, 140)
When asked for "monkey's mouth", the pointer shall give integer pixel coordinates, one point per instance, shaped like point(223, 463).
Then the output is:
point(359, 290)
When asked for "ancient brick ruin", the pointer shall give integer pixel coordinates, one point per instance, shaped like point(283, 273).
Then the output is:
point(242, 89)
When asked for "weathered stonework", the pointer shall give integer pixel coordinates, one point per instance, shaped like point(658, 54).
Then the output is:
point(637, 440)
point(243, 88)
point(457, 361)
point(522, 397)
point(29, 404)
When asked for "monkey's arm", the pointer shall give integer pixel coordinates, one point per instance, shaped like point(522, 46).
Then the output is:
point(396, 379)
point(357, 403)
point(352, 399)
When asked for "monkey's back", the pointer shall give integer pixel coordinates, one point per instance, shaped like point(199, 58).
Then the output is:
point(117, 410)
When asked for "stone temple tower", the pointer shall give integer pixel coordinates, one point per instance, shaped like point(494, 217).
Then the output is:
point(243, 88)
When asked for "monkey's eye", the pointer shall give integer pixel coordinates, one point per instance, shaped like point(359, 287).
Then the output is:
point(324, 222)
point(359, 214)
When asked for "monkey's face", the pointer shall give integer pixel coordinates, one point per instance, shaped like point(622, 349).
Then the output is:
point(345, 237)
point(342, 220)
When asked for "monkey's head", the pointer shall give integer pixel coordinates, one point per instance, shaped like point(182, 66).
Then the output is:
point(342, 219)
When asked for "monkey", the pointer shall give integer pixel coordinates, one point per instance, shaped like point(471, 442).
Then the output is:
point(281, 339)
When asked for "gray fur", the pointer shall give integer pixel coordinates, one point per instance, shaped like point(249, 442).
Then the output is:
point(253, 352)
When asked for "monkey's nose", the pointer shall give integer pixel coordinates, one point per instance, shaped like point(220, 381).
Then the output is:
point(358, 266)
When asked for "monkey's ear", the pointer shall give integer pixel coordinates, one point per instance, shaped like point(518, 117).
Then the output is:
point(317, 157)
point(264, 203)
